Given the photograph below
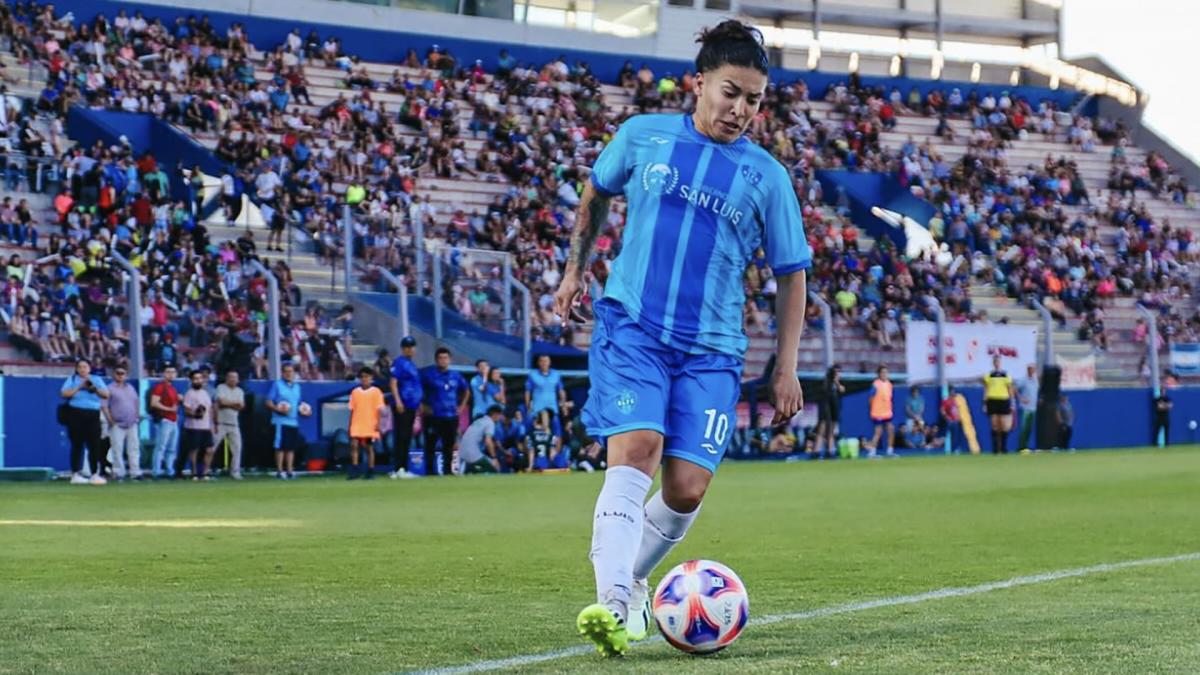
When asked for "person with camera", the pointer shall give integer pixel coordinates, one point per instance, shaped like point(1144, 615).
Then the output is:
point(198, 426)
point(83, 394)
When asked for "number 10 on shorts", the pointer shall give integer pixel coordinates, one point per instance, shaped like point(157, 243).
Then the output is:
point(715, 430)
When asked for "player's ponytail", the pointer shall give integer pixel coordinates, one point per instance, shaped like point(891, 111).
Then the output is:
point(733, 43)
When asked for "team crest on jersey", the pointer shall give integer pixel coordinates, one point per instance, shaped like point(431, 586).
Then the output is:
point(625, 401)
point(660, 178)
point(751, 175)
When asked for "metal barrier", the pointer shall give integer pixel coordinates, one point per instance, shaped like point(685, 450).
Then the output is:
point(401, 298)
point(1047, 333)
point(273, 337)
point(137, 353)
point(16, 171)
point(827, 319)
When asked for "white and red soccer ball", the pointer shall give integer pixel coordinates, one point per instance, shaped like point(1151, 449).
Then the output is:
point(701, 606)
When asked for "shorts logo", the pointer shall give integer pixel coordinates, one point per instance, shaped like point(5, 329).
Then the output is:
point(660, 179)
point(626, 400)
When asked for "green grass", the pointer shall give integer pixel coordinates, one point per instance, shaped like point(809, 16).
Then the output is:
point(389, 576)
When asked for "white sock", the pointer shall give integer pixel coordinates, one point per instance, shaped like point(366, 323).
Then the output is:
point(616, 529)
point(662, 530)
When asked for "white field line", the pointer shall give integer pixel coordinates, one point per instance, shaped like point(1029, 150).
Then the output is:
point(242, 523)
point(939, 594)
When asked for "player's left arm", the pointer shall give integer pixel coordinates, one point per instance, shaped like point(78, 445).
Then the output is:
point(789, 256)
point(790, 303)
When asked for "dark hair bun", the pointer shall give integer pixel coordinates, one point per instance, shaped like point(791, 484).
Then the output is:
point(730, 30)
point(734, 43)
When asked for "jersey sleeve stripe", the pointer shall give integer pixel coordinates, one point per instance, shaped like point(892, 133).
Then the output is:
point(794, 267)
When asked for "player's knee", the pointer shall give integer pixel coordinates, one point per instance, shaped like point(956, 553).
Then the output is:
point(683, 491)
point(684, 498)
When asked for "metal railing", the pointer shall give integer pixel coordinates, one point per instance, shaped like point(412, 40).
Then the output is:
point(401, 298)
point(827, 333)
point(46, 171)
point(273, 337)
point(1047, 333)
point(137, 353)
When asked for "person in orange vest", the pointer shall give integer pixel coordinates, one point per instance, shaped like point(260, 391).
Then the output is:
point(881, 412)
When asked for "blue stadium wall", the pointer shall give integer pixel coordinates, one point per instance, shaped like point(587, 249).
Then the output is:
point(391, 46)
point(1106, 418)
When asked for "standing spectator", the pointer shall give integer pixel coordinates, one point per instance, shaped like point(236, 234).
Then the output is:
point(445, 397)
point(123, 416)
point(1162, 418)
point(84, 393)
point(478, 451)
point(881, 413)
point(1066, 422)
point(482, 396)
point(952, 420)
point(231, 400)
point(998, 393)
point(1027, 396)
point(365, 402)
point(198, 426)
point(829, 413)
point(545, 391)
point(914, 409)
point(405, 383)
point(164, 410)
point(285, 405)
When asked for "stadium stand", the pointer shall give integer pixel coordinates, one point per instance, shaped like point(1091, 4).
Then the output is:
point(1033, 202)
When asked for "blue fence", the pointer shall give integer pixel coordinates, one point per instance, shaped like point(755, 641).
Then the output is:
point(1106, 418)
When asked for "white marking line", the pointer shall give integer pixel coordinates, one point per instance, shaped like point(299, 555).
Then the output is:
point(172, 524)
point(530, 659)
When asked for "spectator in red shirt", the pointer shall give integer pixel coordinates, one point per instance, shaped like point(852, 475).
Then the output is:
point(951, 419)
point(164, 409)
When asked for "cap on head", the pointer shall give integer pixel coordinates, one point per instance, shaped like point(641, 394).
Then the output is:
point(408, 341)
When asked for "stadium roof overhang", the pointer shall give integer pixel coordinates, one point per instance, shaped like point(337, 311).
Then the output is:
point(1027, 31)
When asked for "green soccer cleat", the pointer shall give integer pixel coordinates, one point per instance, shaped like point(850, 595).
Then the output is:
point(600, 625)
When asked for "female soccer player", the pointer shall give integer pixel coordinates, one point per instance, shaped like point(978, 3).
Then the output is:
point(667, 348)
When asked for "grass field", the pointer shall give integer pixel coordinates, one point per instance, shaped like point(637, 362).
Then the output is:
point(326, 576)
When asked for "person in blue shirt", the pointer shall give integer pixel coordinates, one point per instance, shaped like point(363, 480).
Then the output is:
point(445, 399)
point(544, 389)
point(405, 383)
point(665, 363)
point(286, 408)
point(83, 393)
point(485, 393)
point(511, 435)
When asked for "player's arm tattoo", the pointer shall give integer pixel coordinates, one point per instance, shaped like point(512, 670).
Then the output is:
point(593, 213)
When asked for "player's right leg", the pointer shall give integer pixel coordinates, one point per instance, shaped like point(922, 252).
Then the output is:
point(627, 404)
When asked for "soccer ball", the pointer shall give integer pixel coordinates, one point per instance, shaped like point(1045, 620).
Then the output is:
point(701, 606)
point(305, 409)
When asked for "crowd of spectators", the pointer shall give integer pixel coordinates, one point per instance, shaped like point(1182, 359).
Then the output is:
point(201, 302)
point(533, 131)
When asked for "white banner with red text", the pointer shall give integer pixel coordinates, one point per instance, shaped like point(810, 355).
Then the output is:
point(968, 350)
point(1077, 373)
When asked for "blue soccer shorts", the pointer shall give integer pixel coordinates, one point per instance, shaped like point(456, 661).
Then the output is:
point(638, 382)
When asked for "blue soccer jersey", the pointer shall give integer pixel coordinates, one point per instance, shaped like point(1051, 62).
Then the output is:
point(697, 212)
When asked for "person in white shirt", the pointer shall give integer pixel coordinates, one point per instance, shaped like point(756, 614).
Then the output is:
point(477, 449)
point(231, 400)
point(266, 184)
